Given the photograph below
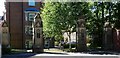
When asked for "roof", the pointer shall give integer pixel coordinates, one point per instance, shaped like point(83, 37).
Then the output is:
point(32, 9)
point(38, 16)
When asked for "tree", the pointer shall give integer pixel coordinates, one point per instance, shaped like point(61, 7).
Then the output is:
point(62, 16)
point(102, 12)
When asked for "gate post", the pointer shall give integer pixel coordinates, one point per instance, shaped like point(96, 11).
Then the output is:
point(81, 35)
point(38, 45)
point(117, 40)
point(5, 38)
point(108, 40)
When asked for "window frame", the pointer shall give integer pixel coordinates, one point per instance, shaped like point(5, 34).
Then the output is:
point(28, 30)
point(31, 16)
point(38, 35)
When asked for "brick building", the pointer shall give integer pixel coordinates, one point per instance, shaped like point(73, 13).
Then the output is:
point(20, 17)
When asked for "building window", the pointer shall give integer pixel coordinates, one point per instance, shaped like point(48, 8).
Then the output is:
point(28, 30)
point(31, 16)
point(38, 35)
point(31, 3)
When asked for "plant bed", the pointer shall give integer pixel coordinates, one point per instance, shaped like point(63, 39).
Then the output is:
point(70, 50)
point(6, 51)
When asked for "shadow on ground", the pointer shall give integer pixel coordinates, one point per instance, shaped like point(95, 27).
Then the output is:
point(28, 55)
point(103, 52)
point(19, 55)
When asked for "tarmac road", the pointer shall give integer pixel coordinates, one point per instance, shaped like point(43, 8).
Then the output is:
point(55, 53)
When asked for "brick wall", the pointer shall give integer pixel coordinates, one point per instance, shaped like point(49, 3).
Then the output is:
point(16, 21)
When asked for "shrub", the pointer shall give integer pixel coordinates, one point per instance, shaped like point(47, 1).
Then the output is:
point(56, 43)
point(70, 50)
point(6, 50)
point(67, 45)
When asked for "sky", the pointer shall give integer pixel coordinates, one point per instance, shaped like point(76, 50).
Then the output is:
point(2, 7)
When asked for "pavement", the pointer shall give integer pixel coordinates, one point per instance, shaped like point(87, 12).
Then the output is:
point(56, 53)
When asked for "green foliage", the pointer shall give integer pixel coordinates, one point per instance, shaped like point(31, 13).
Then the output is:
point(6, 50)
point(70, 50)
point(67, 45)
point(56, 43)
point(49, 14)
point(116, 14)
point(61, 16)
point(101, 12)
point(59, 38)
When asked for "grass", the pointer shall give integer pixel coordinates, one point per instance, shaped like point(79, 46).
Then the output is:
point(18, 50)
point(52, 50)
point(70, 50)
